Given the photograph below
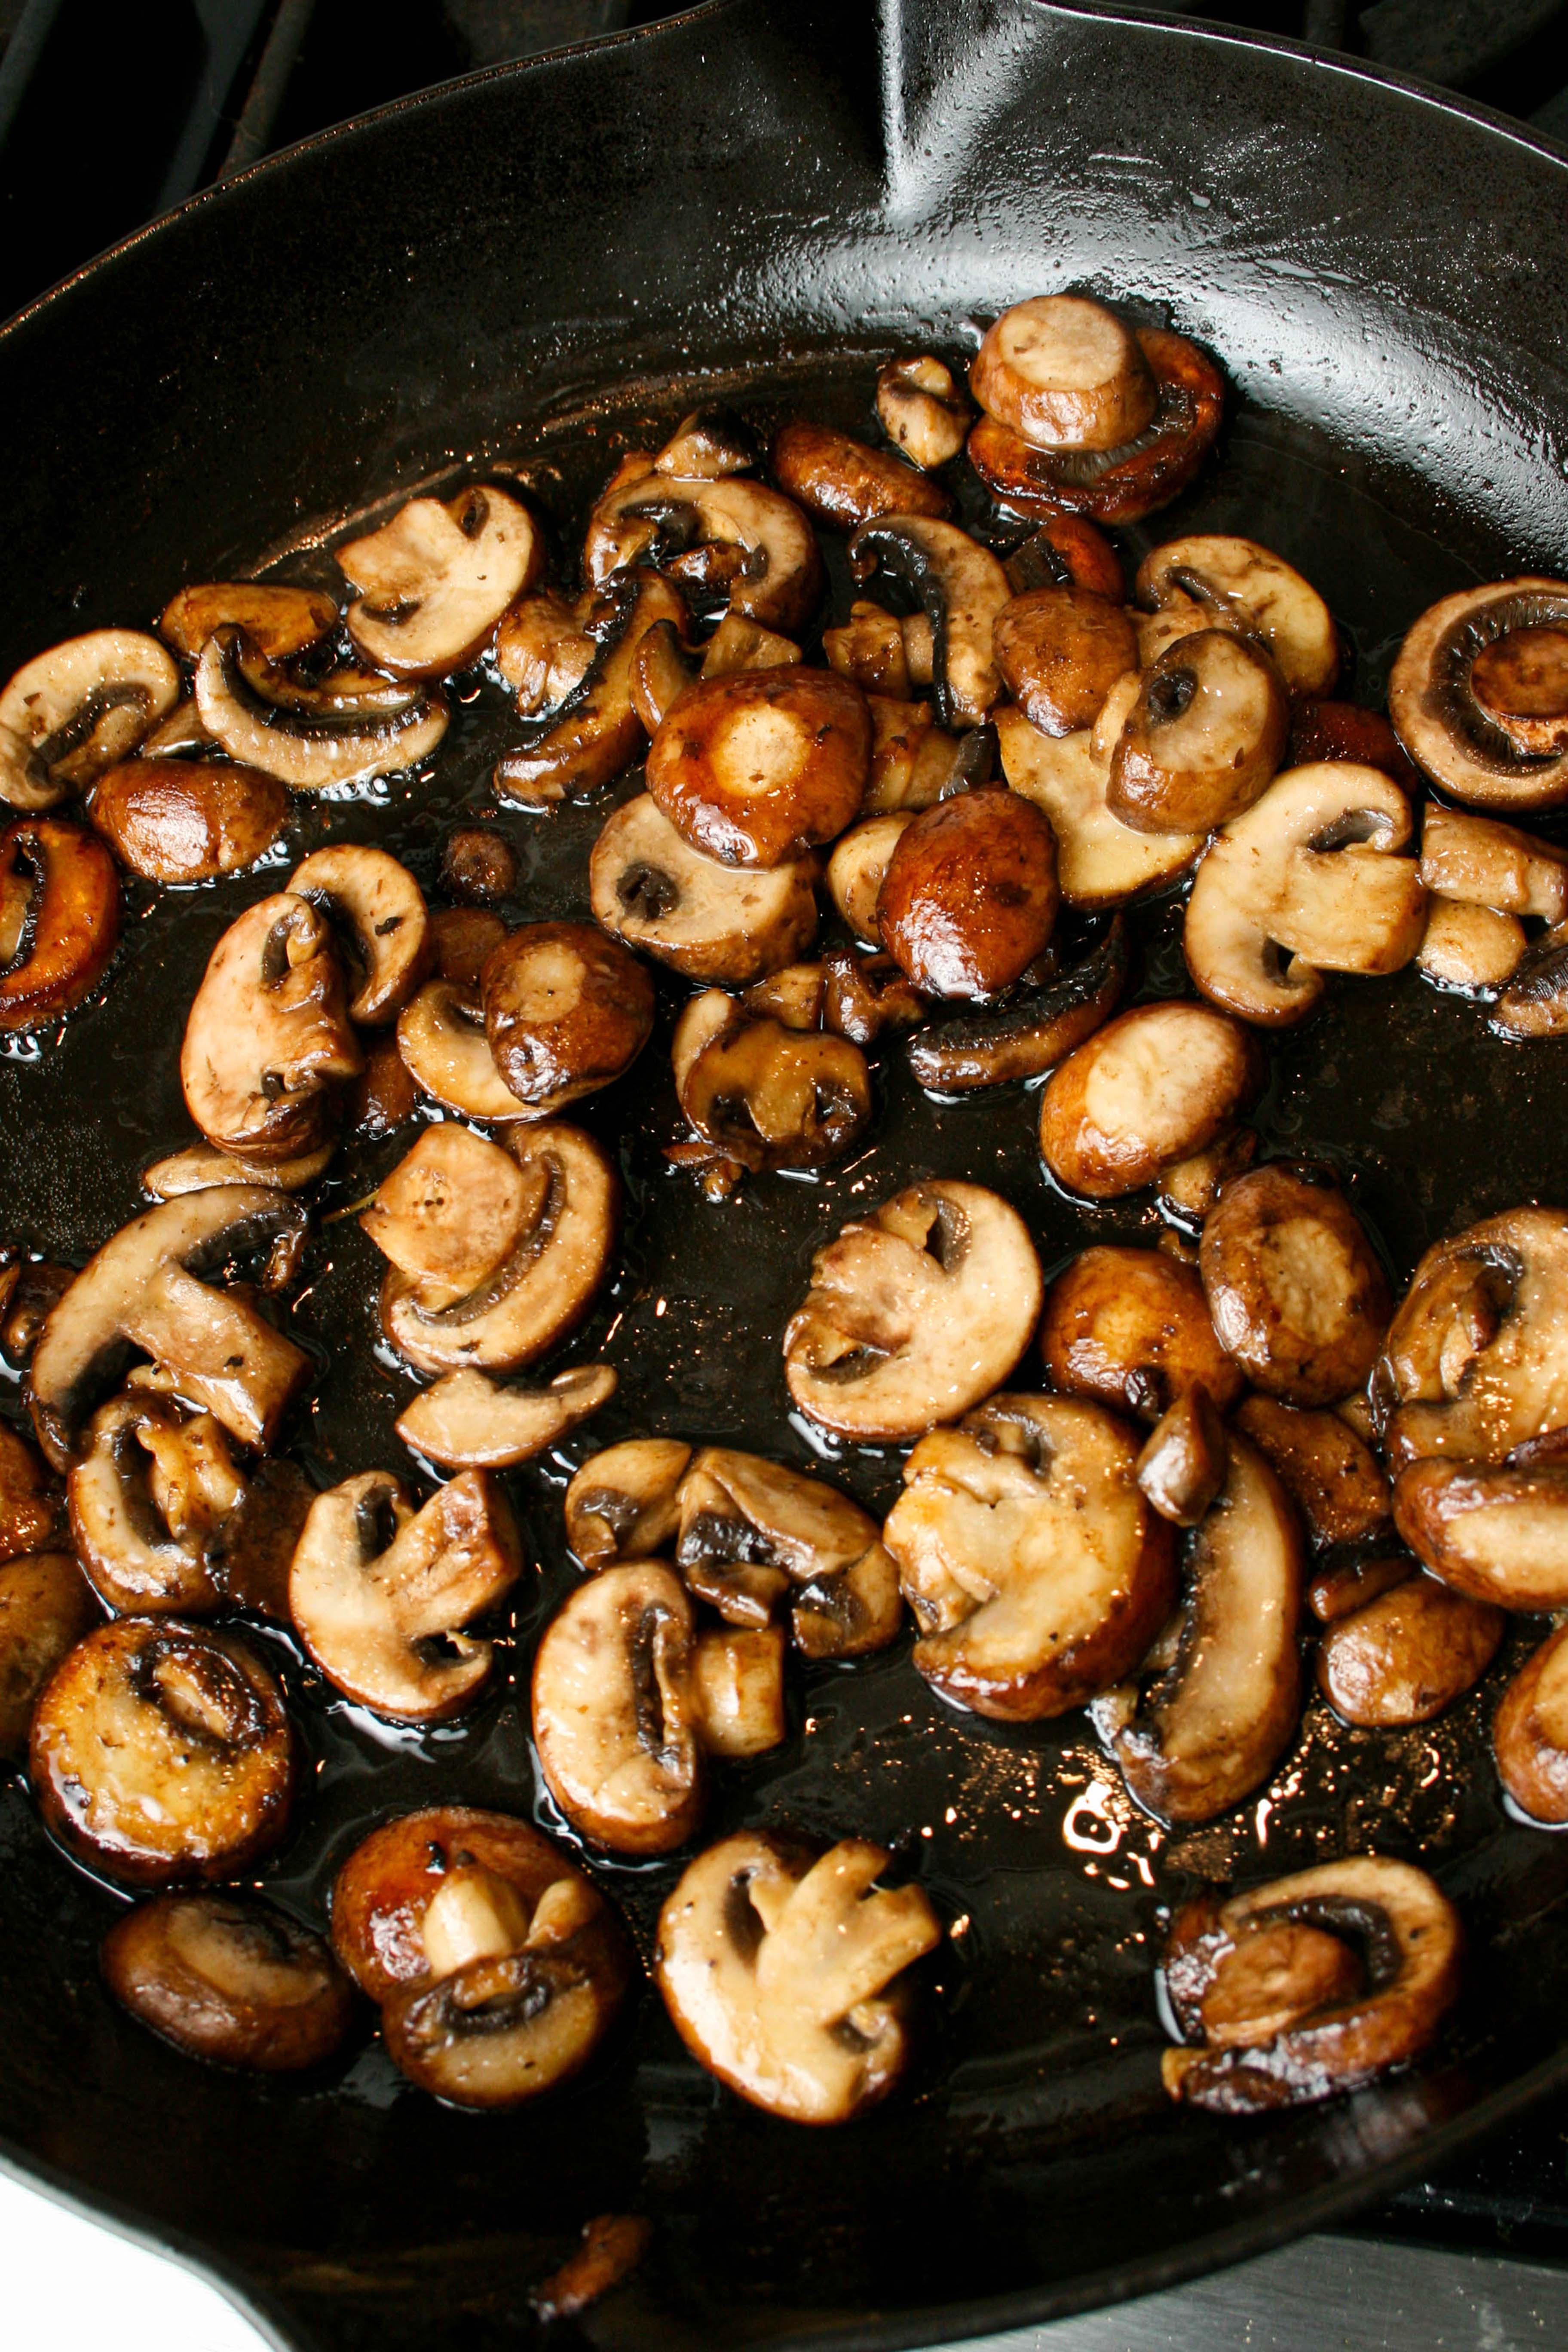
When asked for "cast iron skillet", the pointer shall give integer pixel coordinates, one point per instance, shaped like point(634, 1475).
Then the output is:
point(514, 271)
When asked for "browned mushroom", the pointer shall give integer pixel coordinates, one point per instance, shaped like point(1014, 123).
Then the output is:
point(754, 543)
point(478, 866)
point(1030, 1031)
point(624, 1503)
point(590, 730)
point(1530, 1732)
point(1204, 738)
point(1060, 651)
point(752, 1532)
point(1477, 694)
point(1124, 484)
point(1534, 1004)
point(858, 865)
point(30, 1289)
point(461, 938)
point(796, 996)
point(1065, 374)
point(468, 1423)
point(1407, 1653)
point(1476, 950)
point(1101, 862)
point(864, 995)
point(714, 923)
point(1130, 1327)
point(229, 1979)
point(755, 768)
point(1333, 1478)
point(782, 1972)
point(613, 2246)
point(1293, 1285)
point(1308, 1986)
point(869, 649)
point(1343, 1585)
point(279, 621)
point(1189, 1188)
point(765, 1095)
point(1500, 1534)
point(70, 713)
point(566, 1011)
point(1234, 583)
point(59, 918)
point(46, 1606)
point(380, 924)
point(434, 580)
point(451, 1210)
point(969, 898)
point(442, 1044)
point(922, 409)
point(1037, 1570)
point(353, 726)
point(1480, 863)
point(1182, 1465)
point(200, 1165)
point(147, 1497)
point(914, 1314)
point(267, 1036)
point(1151, 1088)
point(188, 820)
point(161, 1752)
point(842, 482)
point(379, 1594)
point(960, 587)
point(915, 762)
point(30, 1507)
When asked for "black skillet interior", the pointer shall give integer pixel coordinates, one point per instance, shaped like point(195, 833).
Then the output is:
point(527, 273)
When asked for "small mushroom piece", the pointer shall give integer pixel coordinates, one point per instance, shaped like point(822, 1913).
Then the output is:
point(461, 939)
point(663, 671)
point(870, 651)
point(468, 1423)
point(29, 1291)
point(1295, 1289)
point(45, 1607)
point(1407, 1654)
point(1216, 1719)
point(864, 995)
point(1498, 1534)
point(842, 482)
point(161, 1753)
point(613, 2246)
point(1189, 1188)
point(544, 647)
point(1310, 870)
point(915, 762)
point(1153, 1086)
point(751, 1530)
point(624, 1504)
point(1065, 551)
point(451, 1210)
point(757, 767)
point(59, 918)
point(1036, 1569)
point(1476, 1361)
point(617, 1714)
point(251, 1550)
point(478, 866)
point(961, 588)
point(30, 1511)
point(442, 1043)
point(1101, 862)
point(1182, 1465)
point(1343, 1586)
point(1344, 730)
point(1032, 1031)
point(922, 411)
point(379, 918)
point(142, 1290)
point(1060, 651)
point(145, 1499)
point(229, 1979)
point(782, 1973)
point(1120, 484)
point(542, 1288)
point(768, 1097)
point(174, 820)
point(1335, 1480)
point(380, 1592)
point(1475, 950)
point(773, 570)
point(795, 996)
point(1480, 863)
point(858, 865)
point(1285, 2022)
point(352, 727)
point(279, 621)
point(566, 1011)
point(718, 924)
point(582, 740)
point(72, 713)
point(1065, 374)
point(1130, 1328)
point(1237, 584)
point(1530, 1732)
point(738, 644)
point(200, 1166)
point(1204, 738)
point(707, 444)
point(969, 898)
point(383, 1096)
point(739, 1681)
point(1478, 694)
point(267, 1036)
point(914, 1313)
point(434, 581)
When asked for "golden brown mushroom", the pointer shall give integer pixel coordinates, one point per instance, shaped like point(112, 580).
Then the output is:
point(969, 898)
point(1296, 1291)
point(46, 1606)
point(59, 918)
point(188, 820)
point(756, 767)
point(1148, 1090)
point(567, 1011)
point(1530, 1732)
point(1131, 1328)
point(229, 1979)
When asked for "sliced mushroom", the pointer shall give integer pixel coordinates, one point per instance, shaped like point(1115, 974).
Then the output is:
point(579, 742)
point(161, 1753)
point(708, 444)
point(1065, 374)
point(869, 650)
point(59, 918)
point(796, 996)
point(380, 1592)
point(1035, 1570)
point(353, 726)
point(663, 671)
point(152, 1488)
point(542, 1287)
point(755, 768)
point(915, 762)
point(714, 923)
point(1060, 650)
point(616, 1718)
point(1204, 738)
point(1476, 1361)
point(1189, 1188)
point(1498, 1534)
point(566, 1011)
point(434, 581)
point(1309, 870)
point(1535, 1002)
point(1479, 863)
point(544, 647)
point(1182, 1465)
point(251, 1552)
point(1130, 1328)
point(467, 1422)
point(199, 1166)
point(922, 411)
point(1032, 1031)
point(624, 1503)
point(1333, 1478)
point(1235, 584)
point(451, 1210)
point(841, 482)
point(656, 517)
point(1153, 1087)
point(29, 1291)
point(268, 1037)
point(442, 1042)
point(1475, 950)
point(914, 1314)
point(969, 896)
point(30, 1512)
point(961, 588)
point(1101, 862)
point(46, 1606)
point(1124, 484)
point(768, 1097)
point(1530, 1732)
point(1343, 1585)
point(864, 995)
point(229, 1979)
point(1308, 1986)
point(1294, 1287)
point(379, 917)
point(1215, 1721)
point(1478, 694)
point(751, 1530)
point(279, 621)
point(74, 711)
point(174, 820)
point(141, 1290)
point(1407, 1654)
point(782, 1973)
point(740, 1690)
point(858, 865)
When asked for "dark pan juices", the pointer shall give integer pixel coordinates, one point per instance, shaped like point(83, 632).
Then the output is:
point(1038, 2092)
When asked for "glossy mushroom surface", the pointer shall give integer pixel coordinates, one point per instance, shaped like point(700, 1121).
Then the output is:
point(229, 1979)
point(969, 898)
point(1204, 738)
point(70, 713)
point(1296, 1290)
point(755, 768)
point(843, 483)
point(267, 1036)
point(354, 726)
point(712, 922)
point(59, 918)
point(1131, 1328)
point(1530, 1732)
point(1407, 1654)
point(46, 1606)
point(1101, 862)
point(434, 581)
point(188, 820)
point(469, 1422)
point(767, 1096)
point(1149, 1088)
point(567, 1011)
point(1487, 724)
point(1117, 485)
point(1065, 374)
point(379, 923)
point(1221, 582)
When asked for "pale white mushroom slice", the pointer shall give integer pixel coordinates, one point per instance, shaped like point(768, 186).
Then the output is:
point(648, 517)
point(71, 713)
point(782, 1972)
point(1311, 873)
point(352, 727)
point(267, 1036)
point(441, 1039)
point(714, 923)
point(147, 1497)
point(378, 911)
point(434, 581)
point(1469, 947)
point(201, 1165)
point(1101, 862)
point(914, 1313)
point(1235, 583)
point(468, 1422)
point(857, 866)
point(753, 1533)
point(379, 1594)
point(739, 1683)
